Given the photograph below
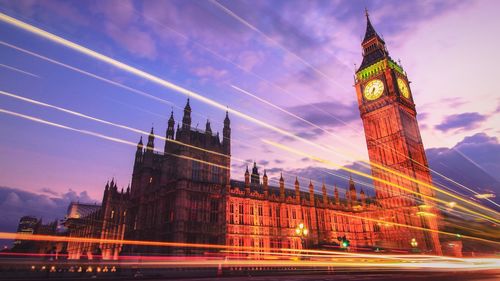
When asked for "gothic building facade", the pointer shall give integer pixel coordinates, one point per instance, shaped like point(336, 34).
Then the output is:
point(184, 192)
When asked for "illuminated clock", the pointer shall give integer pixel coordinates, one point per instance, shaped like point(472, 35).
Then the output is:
point(374, 89)
point(403, 88)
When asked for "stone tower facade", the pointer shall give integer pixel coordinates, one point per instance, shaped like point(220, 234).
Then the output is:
point(395, 146)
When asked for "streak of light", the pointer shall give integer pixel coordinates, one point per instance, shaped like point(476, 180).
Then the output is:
point(107, 122)
point(31, 118)
point(19, 70)
point(167, 84)
point(366, 163)
point(118, 85)
point(252, 27)
point(320, 160)
point(321, 253)
point(75, 113)
point(485, 195)
point(86, 73)
point(276, 43)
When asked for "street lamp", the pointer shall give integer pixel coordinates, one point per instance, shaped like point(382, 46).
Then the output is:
point(414, 243)
point(302, 232)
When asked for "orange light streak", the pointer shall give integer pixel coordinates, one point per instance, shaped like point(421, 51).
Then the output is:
point(289, 149)
point(347, 155)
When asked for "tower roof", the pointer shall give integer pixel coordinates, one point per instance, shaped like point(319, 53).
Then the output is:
point(373, 46)
point(370, 30)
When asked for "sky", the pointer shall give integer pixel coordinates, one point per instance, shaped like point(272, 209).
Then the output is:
point(288, 56)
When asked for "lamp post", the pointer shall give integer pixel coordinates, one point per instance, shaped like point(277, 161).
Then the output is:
point(414, 245)
point(302, 232)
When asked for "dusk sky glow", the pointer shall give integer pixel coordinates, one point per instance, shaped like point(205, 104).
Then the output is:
point(271, 60)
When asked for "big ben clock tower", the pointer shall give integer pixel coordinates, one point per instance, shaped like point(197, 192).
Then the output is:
point(395, 147)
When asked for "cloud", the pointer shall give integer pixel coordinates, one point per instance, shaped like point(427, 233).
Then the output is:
point(49, 191)
point(463, 121)
point(263, 162)
point(474, 162)
point(15, 203)
point(209, 72)
point(122, 23)
point(327, 114)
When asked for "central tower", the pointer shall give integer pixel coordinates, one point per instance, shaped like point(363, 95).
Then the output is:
point(395, 147)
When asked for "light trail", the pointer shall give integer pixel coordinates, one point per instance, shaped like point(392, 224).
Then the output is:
point(75, 113)
point(126, 88)
point(19, 70)
point(31, 118)
point(263, 264)
point(366, 163)
point(252, 27)
point(108, 122)
point(55, 238)
point(320, 160)
point(321, 257)
point(157, 80)
point(86, 73)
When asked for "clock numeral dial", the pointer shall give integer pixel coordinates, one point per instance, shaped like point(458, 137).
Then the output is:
point(374, 89)
point(403, 88)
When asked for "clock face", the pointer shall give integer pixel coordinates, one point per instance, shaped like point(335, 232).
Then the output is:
point(374, 89)
point(403, 88)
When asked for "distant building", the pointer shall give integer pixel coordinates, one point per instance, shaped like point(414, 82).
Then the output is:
point(31, 225)
point(100, 222)
point(27, 225)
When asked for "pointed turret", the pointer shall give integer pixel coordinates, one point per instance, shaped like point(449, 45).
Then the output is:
point(170, 127)
point(151, 141)
point(186, 119)
point(352, 191)
point(139, 153)
point(255, 174)
point(297, 190)
point(226, 135)
point(208, 129)
point(247, 180)
point(311, 193)
point(265, 183)
point(106, 192)
point(282, 188)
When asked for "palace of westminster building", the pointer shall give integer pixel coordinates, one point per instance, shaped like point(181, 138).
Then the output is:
point(186, 194)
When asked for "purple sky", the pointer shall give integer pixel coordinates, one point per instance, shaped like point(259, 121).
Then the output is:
point(301, 59)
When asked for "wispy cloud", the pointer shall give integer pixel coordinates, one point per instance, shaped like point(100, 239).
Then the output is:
point(463, 121)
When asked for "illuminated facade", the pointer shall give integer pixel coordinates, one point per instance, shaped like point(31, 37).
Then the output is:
point(393, 138)
point(185, 193)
